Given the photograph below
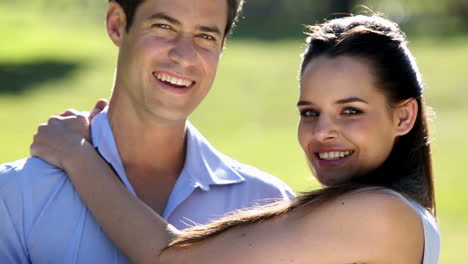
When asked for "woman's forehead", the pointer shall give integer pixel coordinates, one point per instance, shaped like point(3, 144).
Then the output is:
point(341, 76)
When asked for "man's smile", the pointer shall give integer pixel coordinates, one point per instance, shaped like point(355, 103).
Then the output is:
point(174, 81)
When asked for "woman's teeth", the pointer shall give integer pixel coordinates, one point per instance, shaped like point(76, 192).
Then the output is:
point(173, 80)
point(334, 155)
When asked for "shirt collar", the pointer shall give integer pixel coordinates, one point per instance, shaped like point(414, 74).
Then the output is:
point(104, 142)
point(204, 165)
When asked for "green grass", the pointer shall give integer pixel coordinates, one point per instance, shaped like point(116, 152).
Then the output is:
point(250, 113)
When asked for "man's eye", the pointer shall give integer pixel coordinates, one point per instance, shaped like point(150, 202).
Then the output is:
point(207, 37)
point(309, 113)
point(163, 26)
point(352, 111)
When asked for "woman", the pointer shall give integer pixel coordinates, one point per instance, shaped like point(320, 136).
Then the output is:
point(363, 129)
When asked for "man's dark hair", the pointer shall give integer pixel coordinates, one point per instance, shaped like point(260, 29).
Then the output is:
point(234, 10)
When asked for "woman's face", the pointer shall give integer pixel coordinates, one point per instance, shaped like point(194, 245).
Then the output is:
point(347, 126)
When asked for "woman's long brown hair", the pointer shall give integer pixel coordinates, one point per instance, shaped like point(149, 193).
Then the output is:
point(407, 170)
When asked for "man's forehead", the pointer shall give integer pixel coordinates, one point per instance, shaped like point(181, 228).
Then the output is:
point(214, 28)
point(193, 9)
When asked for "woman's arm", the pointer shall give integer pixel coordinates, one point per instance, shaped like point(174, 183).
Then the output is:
point(360, 227)
point(133, 226)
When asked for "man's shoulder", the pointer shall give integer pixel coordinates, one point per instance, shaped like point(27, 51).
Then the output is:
point(26, 165)
point(260, 179)
point(253, 179)
point(250, 172)
point(27, 171)
point(30, 187)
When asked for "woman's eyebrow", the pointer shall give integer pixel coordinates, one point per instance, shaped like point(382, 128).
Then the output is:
point(351, 100)
point(303, 102)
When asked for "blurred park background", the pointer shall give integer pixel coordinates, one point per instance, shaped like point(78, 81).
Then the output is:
point(55, 55)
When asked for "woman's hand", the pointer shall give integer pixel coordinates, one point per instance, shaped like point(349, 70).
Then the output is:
point(64, 135)
point(98, 107)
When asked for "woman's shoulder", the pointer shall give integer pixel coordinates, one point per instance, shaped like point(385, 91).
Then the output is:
point(388, 204)
point(371, 199)
point(370, 224)
point(382, 208)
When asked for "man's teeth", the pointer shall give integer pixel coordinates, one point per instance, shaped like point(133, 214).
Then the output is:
point(170, 79)
point(334, 155)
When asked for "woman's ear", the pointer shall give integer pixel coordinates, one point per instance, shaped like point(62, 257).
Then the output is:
point(115, 22)
point(405, 116)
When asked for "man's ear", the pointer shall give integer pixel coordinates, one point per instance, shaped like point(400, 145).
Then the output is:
point(405, 116)
point(115, 22)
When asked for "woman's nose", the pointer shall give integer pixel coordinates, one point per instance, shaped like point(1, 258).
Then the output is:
point(325, 129)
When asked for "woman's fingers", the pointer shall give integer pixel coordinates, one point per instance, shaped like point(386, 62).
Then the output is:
point(70, 112)
point(100, 105)
point(60, 135)
point(44, 151)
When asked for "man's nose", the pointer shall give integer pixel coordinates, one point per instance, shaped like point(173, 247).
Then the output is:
point(184, 51)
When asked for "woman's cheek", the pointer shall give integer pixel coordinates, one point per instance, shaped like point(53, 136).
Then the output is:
point(304, 135)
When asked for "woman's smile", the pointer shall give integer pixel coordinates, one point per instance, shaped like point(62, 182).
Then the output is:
point(346, 126)
point(333, 158)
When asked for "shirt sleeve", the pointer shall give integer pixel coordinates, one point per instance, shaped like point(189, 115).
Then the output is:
point(12, 249)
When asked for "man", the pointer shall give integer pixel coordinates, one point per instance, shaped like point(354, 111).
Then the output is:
point(168, 56)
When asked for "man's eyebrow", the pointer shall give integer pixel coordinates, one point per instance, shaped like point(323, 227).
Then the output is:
point(211, 29)
point(172, 20)
point(351, 100)
point(166, 17)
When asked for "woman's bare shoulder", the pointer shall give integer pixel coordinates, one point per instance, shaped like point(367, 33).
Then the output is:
point(367, 225)
point(385, 204)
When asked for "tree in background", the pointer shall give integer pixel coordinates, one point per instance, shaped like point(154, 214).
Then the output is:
point(276, 19)
point(339, 8)
point(459, 9)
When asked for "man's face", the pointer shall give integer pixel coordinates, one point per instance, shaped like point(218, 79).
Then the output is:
point(169, 56)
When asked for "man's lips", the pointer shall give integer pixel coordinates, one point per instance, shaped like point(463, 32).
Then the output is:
point(174, 80)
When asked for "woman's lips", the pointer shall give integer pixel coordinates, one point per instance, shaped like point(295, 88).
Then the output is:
point(332, 158)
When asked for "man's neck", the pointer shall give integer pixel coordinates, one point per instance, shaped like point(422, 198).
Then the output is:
point(146, 145)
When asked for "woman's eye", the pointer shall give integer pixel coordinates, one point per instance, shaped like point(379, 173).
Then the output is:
point(309, 113)
point(352, 111)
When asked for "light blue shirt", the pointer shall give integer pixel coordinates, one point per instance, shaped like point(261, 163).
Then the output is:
point(43, 220)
